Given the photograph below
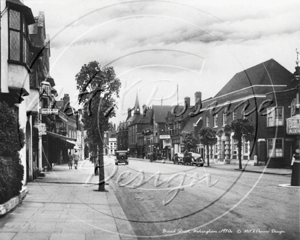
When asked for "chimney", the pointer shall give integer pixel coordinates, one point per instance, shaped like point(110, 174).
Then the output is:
point(66, 99)
point(198, 95)
point(188, 101)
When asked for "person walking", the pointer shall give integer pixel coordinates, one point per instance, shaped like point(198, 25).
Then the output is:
point(70, 160)
point(76, 158)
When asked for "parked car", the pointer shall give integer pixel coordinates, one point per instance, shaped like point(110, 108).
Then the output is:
point(197, 159)
point(194, 159)
point(178, 158)
point(121, 157)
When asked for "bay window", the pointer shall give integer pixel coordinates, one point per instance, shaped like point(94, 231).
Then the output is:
point(19, 51)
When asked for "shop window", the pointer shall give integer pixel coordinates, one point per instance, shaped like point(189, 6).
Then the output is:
point(275, 147)
point(275, 116)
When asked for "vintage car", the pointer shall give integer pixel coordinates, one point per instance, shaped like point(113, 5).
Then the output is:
point(192, 158)
point(121, 157)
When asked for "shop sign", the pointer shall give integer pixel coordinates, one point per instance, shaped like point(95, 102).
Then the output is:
point(164, 137)
point(293, 125)
point(42, 128)
point(49, 111)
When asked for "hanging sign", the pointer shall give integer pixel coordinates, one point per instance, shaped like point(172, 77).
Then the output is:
point(293, 125)
point(49, 111)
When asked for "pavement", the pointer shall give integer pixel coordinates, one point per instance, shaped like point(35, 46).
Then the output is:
point(66, 205)
point(247, 166)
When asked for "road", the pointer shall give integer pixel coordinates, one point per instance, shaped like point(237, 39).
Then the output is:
point(166, 201)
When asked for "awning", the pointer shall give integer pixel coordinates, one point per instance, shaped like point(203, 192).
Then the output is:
point(72, 142)
point(60, 136)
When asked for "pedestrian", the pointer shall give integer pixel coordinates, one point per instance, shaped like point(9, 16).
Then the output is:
point(76, 158)
point(70, 160)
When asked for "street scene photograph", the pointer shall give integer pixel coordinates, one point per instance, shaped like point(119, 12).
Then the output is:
point(149, 119)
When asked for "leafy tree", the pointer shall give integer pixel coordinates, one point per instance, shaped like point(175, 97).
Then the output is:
point(242, 128)
point(12, 140)
point(98, 89)
point(189, 141)
point(207, 137)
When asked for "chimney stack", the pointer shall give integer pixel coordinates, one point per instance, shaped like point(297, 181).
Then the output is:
point(66, 99)
point(198, 95)
point(188, 101)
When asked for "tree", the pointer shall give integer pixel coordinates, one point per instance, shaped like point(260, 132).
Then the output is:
point(242, 128)
point(189, 141)
point(98, 90)
point(207, 137)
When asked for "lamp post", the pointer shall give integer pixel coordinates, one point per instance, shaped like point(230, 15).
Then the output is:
point(44, 92)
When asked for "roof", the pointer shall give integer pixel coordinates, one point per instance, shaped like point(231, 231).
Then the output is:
point(189, 126)
point(17, 5)
point(137, 105)
point(160, 113)
point(266, 73)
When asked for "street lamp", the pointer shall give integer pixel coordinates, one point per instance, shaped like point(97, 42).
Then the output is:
point(44, 92)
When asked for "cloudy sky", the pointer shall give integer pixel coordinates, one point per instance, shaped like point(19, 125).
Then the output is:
point(156, 45)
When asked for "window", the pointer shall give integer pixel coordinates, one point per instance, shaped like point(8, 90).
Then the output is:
point(246, 145)
point(207, 121)
point(275, 147)
point(215, 120)
point(275, 116)
point(224, 119)
point(234, 116)
point(18, 38)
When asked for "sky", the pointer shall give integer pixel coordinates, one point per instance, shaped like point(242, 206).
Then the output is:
point(155, 46)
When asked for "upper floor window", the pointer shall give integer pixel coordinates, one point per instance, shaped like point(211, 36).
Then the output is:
point(216, 120)
point(224, 119)
point(275, 116)
point(18, 38)
point(207, 121)
point(234, 115)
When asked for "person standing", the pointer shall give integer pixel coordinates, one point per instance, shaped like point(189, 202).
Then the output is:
point(70, 160)
point(76, 158)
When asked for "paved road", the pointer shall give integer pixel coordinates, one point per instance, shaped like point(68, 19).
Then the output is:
point(200, 207)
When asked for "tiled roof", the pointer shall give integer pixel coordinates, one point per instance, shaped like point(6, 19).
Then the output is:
point(146, 119)
point(189, 126)
point(160, 113)
point(266, 73)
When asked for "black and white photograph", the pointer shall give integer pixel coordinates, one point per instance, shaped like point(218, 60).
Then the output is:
point(149, 119)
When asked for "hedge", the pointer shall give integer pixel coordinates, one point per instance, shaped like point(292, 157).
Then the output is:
point(12, 141)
